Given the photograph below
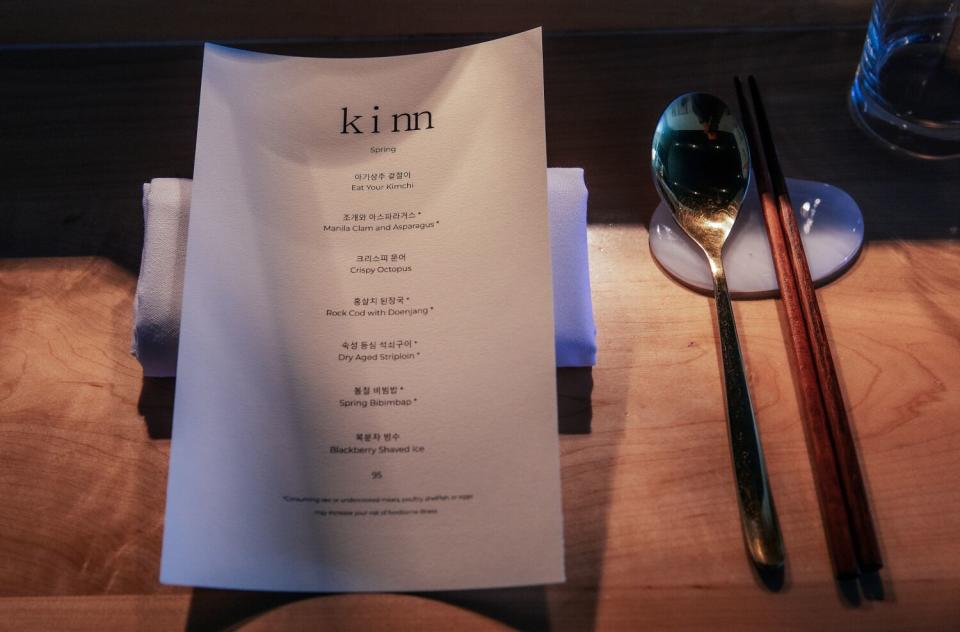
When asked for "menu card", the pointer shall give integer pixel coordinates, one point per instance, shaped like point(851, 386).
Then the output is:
point(366, 380)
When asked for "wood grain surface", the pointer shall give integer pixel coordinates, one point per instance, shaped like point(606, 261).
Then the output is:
point(651, 522)
point(47, 22)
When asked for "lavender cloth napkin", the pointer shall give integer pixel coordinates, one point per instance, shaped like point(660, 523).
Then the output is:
point(166, 210)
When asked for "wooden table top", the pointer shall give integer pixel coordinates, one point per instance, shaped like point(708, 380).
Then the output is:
point(651, 521)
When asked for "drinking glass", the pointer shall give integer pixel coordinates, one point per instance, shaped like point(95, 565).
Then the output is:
point(907, 89)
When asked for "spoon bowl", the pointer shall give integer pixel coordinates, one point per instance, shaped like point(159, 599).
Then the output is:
point(701, 167)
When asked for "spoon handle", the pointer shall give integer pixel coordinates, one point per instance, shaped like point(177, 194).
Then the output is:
point(757, 514)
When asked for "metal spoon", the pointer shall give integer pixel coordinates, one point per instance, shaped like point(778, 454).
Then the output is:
point(701, 166)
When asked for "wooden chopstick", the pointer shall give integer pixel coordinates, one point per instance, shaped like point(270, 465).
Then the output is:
point(833, 506)
point(836, 520)
point(848, 465)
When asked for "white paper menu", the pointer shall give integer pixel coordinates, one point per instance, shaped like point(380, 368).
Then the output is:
point(366, 384)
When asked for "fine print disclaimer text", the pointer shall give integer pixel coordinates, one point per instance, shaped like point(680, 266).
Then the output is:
point(378, 506)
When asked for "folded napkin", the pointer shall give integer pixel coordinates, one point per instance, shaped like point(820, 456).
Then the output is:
point(166, 209)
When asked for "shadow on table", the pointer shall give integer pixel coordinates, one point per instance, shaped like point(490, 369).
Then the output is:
point(229, 609)
point(156, 405)
point(520, 608)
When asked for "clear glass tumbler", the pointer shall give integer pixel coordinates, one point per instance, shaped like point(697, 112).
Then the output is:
point(907, 89)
